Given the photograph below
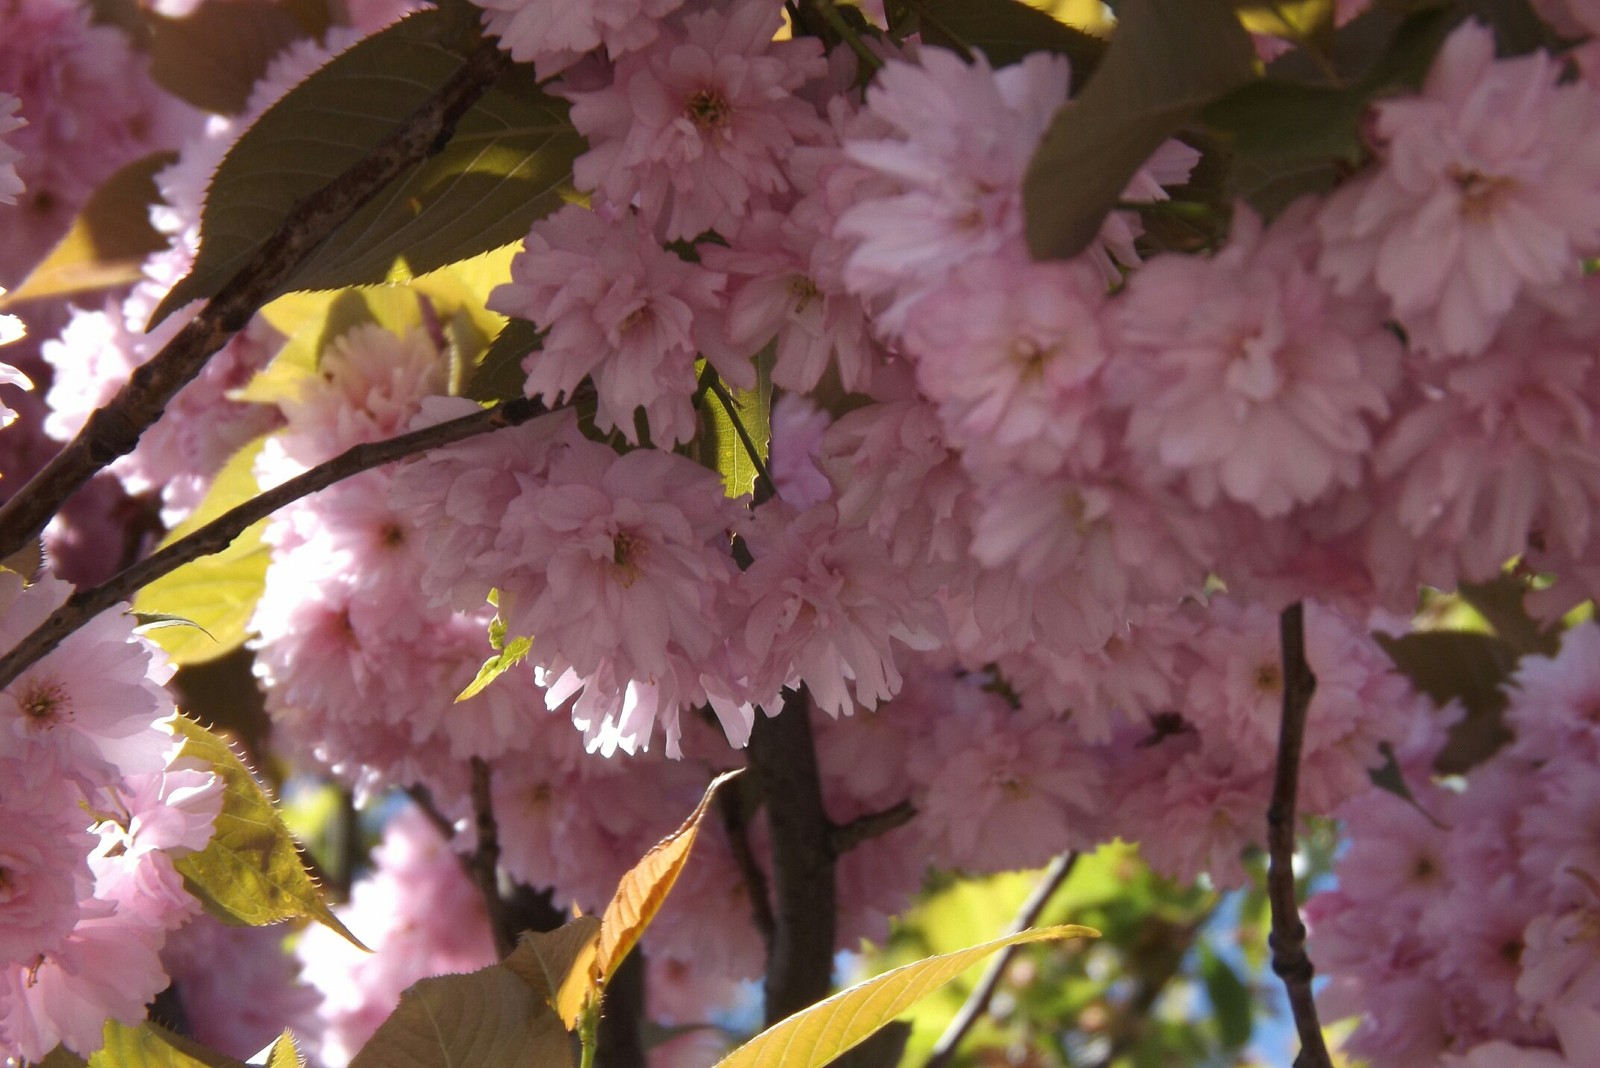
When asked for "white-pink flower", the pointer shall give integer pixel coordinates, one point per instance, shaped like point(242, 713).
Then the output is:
point(554, 34)
point(694, 128)
point(1488, 186)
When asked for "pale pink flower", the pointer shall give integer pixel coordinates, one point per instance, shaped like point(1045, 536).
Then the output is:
point(1245, 375)
point(44, 858)
point(553, 35)
point(1488, 186)
point(693, 128)
point(1009, 350)
point(109, 967)
point(238, 987)
point(619, 307)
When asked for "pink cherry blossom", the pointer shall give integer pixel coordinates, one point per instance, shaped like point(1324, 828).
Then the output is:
point(1489, 187)
point(553, 35)
point(694, 127)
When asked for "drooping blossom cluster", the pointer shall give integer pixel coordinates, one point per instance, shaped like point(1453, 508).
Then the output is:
point(97, 802)
point(1462, 928)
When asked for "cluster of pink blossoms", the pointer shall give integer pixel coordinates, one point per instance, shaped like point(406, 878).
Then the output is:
point(992, 564)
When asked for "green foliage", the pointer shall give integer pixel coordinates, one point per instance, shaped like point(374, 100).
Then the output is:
point(559, 965)
point(152, 1046)
point(1003, 30)
point(723, 447)
point(511, 154)
point(814, 1037)
point(108, 241)
point(250, 872)
point(1231, 1002)
point(499, 375)
point(1463, 666)
point(1167, 60)
point(284, 1053)
point(510, 655)
point(218, 593)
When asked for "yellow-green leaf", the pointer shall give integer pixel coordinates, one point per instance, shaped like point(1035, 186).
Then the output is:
point(644, 889)
point(1304, 22)
point(559, 965)
point(515, 651)
point(107, 243)
point(822, 1032)
point(284, 1053)
point(251, 872)
point(151, 1046)
point(490, 1017)
point(216, 593)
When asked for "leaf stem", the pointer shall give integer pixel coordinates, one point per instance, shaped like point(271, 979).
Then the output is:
point(220, 532)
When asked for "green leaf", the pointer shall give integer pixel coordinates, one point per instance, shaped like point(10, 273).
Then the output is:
point(284, 1052)
point(1500, 604)
point(107, 243)
point(151, 1046)
point(62, 1057)
point(217, 593)
point(723, 447)
point(213, 57)
point(1004, 31)
point(490, 1017)
point(1389, 778)
point(511, 154)
point(499, 375)
point(559, 965)
point(812, 1038)
point(1290, 121)
point(250, 873)
point(1167, 60)
point(514, 653)
point(1465, 666)
point(1231, 1004)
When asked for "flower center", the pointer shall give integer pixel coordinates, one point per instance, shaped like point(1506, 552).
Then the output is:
point(1480, 193)
point(44, 703)
point(804, 291)
point(625, 553)
point(709, 110)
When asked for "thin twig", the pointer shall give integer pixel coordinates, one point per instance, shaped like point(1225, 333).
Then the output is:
point(846, 836)
point(220, 532)
point(1288, 939)
point(977, 1002)
point(114, 429)
point(485, 860)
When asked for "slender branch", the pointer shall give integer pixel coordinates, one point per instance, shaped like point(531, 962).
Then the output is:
point(846, 836)
point(220, 532)
point(484, 863)
point(115, 429)
point(800, 958)
point(1288, 939)
point(977, 1003)
point(423, 799)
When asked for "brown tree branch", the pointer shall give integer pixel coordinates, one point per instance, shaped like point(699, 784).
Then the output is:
point(114, 430)
point(800, 957)
point(846, 836)
point(731, 804)
point(484, 863)
point(220, 532)
point(977, 1003)
point(1288, 938)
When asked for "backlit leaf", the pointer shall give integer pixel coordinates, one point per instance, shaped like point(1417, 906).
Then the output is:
point(217, 593)
point(724, 447)
point(515, 651)
point(1167, 60)
point(284, 1052)
point(812, 1038)
point(107, 243)
point(559, 965)
point(644, 889)
point(250, 873)
point(511, 154)
point(151, 1046)
point(490, 1017)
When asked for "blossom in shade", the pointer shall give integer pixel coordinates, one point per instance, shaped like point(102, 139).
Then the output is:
point(1245, 374)
point(693, 128)
point(619, 307)
point(1489, 186)
point(44, 871)
point(238, 987)
point(553, 35)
